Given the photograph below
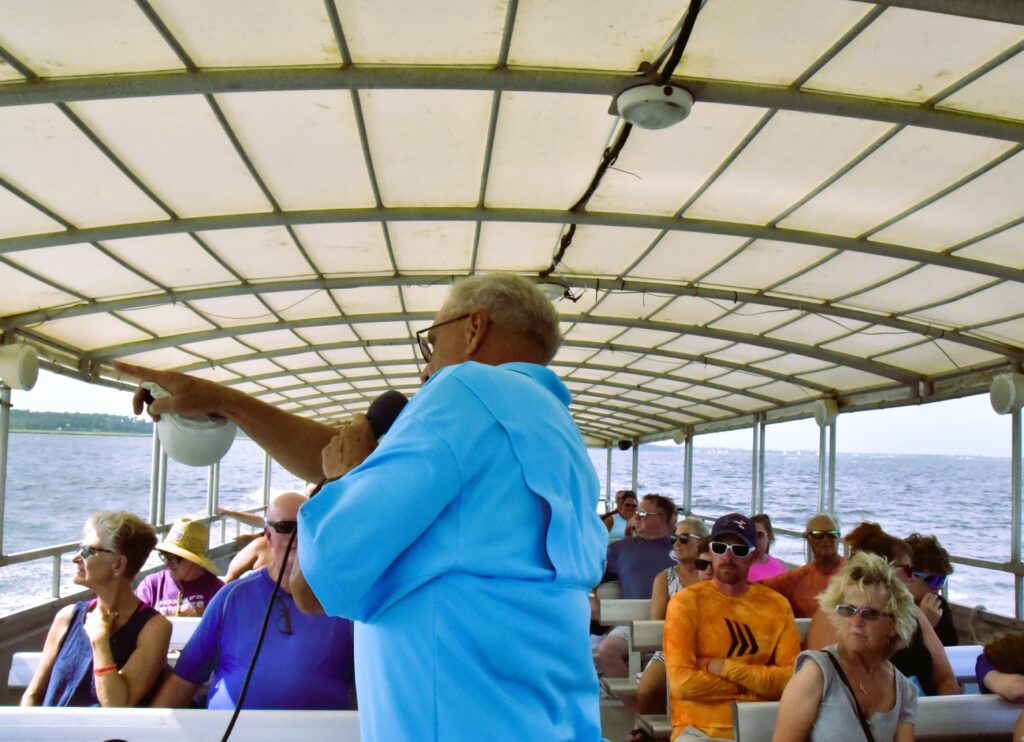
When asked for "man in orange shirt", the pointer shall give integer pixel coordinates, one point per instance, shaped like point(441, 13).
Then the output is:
point(726, 639)
point(802, 586)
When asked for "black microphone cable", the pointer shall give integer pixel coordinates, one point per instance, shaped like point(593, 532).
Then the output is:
point(263, 633)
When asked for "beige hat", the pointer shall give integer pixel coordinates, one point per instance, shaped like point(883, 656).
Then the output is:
point(190, 540)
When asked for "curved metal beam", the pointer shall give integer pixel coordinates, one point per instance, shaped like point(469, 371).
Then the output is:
point(17, 321)
point(1001, 11)
point(478, 214)
point(354, 77)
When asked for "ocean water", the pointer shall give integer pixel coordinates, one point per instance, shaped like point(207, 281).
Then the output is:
point(55, 481)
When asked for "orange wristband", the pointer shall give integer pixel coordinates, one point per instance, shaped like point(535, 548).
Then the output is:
point(104, 670)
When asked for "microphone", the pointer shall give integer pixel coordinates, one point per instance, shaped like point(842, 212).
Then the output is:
point(385, 410)
point(382, 414)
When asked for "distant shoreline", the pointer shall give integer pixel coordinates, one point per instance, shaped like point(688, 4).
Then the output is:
point(83, 432)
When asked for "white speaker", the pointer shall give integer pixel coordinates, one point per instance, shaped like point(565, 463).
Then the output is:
point(19, 366)
point(825, 412)
point(1007, 393)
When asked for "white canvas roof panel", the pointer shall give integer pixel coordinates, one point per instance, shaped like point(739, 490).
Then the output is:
point(241, 33)
point(17, 217)
point(165, 141)
point(48, 158)
point(177, 261)
point(84, 269)
point(304, 144)
point(792, 154)
point(289, 189)
point(58, 39)
point(909, 55)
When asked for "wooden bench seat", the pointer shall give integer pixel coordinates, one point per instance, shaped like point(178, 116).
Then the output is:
point(167, 725)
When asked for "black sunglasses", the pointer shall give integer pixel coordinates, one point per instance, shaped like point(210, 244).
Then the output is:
point(426, 346)
point(282, 526)
point(738, 550)
point(819, 535)
point(682, 538)
point(701, 564)
point(169, 559)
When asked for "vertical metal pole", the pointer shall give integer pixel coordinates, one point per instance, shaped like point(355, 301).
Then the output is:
point(688, 481)
point(608, 478)
point(266, 480)
point(5, 431)
point(209, 489)
point(55, 577)
point(154, 477)
point(760, 469)
point(832, 467)
point(216, 487)
point(161, 503)
point(636, 461)
point(754, 460)
point(1015, 513)
point(821, 469)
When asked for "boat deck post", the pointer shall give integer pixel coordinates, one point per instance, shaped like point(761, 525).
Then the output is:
point(1015, 517)
point(763, 426)
point(5, 430)
point(266, 480)
point(608, 477)
point(636, 461)
point(832, 467)
point(154, 477)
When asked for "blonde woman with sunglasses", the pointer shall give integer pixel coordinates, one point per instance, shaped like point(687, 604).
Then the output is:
point(107, 651)
point(850, 691)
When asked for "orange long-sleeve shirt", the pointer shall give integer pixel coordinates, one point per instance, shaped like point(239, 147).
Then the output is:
point(754, 633)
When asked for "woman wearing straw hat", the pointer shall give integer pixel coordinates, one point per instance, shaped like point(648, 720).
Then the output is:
point(188, 582)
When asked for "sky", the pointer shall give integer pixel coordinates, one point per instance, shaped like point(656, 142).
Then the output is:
point(965, 426)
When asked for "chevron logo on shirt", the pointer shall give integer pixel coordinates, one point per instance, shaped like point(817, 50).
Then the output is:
point(743, 641)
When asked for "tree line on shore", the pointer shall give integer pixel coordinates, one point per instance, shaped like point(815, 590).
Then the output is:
point(78, 422)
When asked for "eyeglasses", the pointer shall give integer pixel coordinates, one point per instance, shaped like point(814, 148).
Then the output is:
point(906, 569)
point(171, 560)
point(868, 614)
point(819, 535)
point(738, 550)
point(88, 552)
point(683, 538)
point(701, 564)
point(641, 514)
point(284, 621)
point(935, 582)
point(282, 526)
point(426, 345)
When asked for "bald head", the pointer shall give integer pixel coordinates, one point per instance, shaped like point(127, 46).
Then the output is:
point(822, 539)
point(282, 512)
point(285, 506)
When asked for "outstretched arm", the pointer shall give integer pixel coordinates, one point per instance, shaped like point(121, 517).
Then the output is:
point(292, 441)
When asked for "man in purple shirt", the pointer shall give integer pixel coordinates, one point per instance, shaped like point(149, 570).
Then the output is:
point(636, 562)
point(188, 582)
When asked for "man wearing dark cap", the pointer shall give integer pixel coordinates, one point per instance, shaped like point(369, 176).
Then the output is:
point(726, 639)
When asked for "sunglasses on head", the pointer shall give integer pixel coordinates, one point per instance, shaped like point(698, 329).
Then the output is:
point(934, 582)
point(738, 550)
point(282, 526)
point(682, 538)
point(868, 614)
point(819, 535)
point(87, 552)
point(701, 564)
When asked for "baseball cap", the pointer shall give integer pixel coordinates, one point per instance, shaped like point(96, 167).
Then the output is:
point(738, 525)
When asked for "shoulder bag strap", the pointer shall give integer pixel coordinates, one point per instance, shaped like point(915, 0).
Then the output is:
point(856, 705)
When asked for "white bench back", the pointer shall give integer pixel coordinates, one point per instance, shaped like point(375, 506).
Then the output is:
point(181, 630)
point(622, 611)
point(938, 717)
point(158, 725)
point(963, 660)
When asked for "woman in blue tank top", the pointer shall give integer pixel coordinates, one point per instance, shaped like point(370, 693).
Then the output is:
point(107, 651)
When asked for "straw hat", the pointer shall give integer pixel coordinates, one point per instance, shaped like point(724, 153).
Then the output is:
point(189, 539)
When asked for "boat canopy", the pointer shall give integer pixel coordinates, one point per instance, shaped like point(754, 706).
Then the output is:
point(276, 194)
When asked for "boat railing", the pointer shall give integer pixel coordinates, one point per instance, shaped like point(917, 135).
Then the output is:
point(57, 551)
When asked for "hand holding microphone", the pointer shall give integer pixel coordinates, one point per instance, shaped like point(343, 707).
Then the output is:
point(357, 440)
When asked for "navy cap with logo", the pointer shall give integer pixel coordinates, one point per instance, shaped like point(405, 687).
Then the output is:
point(738, 525)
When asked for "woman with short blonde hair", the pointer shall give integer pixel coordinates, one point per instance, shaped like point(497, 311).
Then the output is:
point(850, 690)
